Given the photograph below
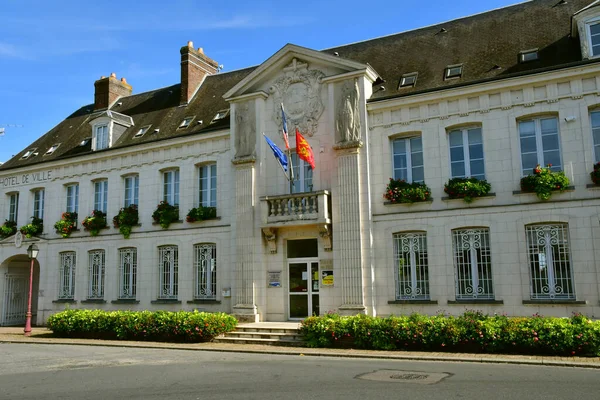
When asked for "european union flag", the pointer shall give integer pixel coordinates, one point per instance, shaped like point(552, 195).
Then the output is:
point(278, 153)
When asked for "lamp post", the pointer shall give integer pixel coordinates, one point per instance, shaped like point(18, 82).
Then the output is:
point(32, 252)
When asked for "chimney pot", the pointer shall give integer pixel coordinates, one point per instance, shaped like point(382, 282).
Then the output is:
point(200, 50)
point(113, 75)
point(102, 77)
point(190, 44)
point(123, 80)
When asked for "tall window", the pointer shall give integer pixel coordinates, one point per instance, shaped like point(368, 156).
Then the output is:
point(13, 207)
point(303, 175)
point(132, 190)
point(408, 159)
point(412, 273)
point(96, 274)
point(73, 198)
point(38, 203)
point(100, 137)
point(127, 273)
point(208, 185)
point(595, 116)
point(466, 153)
point(205, 268)
point(167, 268)
point(594, 32)
point(539, 144)
point(66, 289)
point(550, 262)
point(473, 264)
point(101, 195)
point(171, 187)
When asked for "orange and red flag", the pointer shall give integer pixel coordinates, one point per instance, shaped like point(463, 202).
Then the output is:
point(304, 150)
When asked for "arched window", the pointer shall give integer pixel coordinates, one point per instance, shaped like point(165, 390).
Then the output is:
point(205, 271)
point(411, 265)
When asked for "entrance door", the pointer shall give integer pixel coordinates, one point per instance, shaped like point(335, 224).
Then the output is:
point(304, 289)
point(15, 300)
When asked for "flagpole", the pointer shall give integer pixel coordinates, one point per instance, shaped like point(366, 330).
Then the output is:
point(291, 169)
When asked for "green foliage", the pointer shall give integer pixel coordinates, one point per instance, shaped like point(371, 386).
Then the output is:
point(400, 191)
point(127, 218)
point(466, 188)
point(201, 213)
point(35, 227)
point(165, 214)
point(595, 174)
point(9, 228)
point(95, 222)
point(66, 224)
point(180, 326)
point(471, 332)
point(544, 181)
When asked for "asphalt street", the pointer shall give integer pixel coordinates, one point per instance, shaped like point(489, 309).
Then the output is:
point(37, 371)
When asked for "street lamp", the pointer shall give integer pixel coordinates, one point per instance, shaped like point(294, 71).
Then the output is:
point(32, 252)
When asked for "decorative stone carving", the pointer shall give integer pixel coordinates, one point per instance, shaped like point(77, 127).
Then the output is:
point(271, 238)
point(325, 233)
point(299, 89)
point(245, 129)
point(347, 124)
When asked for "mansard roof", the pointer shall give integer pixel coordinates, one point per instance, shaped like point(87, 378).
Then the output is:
point(487, 45)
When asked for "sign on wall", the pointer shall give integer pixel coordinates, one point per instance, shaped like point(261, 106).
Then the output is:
point(274, 279)
point(327, 277)
point(25, 179)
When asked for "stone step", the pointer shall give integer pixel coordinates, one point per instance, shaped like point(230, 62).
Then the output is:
point(268, 330)
point(270, 342)
point(265, 335)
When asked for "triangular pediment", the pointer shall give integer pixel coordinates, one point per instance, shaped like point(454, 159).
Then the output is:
point(292, 56)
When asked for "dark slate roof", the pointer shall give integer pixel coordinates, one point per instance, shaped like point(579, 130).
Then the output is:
point(478, 42)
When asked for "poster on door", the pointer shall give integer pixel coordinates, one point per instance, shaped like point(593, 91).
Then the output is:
point(327, 277)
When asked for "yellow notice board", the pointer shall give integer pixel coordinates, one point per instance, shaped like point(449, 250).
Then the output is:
point(327, 277)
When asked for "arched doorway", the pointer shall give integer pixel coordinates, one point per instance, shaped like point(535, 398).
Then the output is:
point(14, 287)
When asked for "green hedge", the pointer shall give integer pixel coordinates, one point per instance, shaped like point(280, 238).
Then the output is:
point(471, 332)
point(181, 326)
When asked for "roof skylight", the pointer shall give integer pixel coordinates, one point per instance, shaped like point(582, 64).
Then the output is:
point(408, 80)
point(142, 131)
point(28, 154)
point(220, 115)
point(186, 122)
point(528, 55)
point(453, 71)
point(52, 149)
point(84, 142)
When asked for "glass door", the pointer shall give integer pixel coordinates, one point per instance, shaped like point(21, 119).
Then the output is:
point(304, 289)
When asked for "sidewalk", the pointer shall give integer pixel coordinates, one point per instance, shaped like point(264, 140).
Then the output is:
point(42, 336)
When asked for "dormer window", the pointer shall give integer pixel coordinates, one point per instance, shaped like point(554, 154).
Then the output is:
point(528, 55)
point(28, 154)
point(142, 131)
point(220, 115)
point(453, 71)
point(186, 122)
point(52, 149)
point(100, 137)
point(593, 29)
point(408, 80)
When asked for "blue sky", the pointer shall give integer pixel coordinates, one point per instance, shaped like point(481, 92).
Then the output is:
point(51, 52)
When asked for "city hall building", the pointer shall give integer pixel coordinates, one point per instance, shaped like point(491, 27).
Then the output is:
point(487, 96)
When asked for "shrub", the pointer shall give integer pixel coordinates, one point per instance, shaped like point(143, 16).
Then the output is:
point(66, 224)
point(181, 326)
point(35, 227)
point(165, 214)
point(543, 181)
point(9, 228)
point(127, 218)
point(400, 191)
point(201, 213)
point(467, 188)
point(95, 222)
point(471, 332)
point(595, 174)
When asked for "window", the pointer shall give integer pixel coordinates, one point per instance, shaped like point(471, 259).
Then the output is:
point(220, 115)
point(132, 190)
point(528, 55)
point(205, 260)
point(208, 185)
point(142, 131)
point(466, 153)
point(539, 144)
point(38, 203)
point(66, 288)
point(550, 262)
point(127, 273)
point(73, 198)
point(84, 142)
point(171, 187)
point(595, 116)
point(100, 138)
point(13, 207)
point(52, 149)
point(101, 195)
point(96, 275)
point(453, 71)
point(408, 80)
point(412, 273)
point(303, 175)
point(473, 264)
point(167, 266)
point(408, 159)
point(186, 122)
point(594, 32)
point(28, 154)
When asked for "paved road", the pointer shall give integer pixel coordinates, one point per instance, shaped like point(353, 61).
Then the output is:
point(83, 372)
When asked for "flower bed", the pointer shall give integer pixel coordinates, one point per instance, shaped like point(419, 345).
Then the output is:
point(66, 224)
point(400, 191)
point(544, 181)
point(201, 213)
point(181, 326)
point(35, 227)
point(127, 218)
point(95, 222)
point(470, 332)
point(466, 188)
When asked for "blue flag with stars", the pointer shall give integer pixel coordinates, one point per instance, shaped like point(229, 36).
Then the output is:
point(278, 153)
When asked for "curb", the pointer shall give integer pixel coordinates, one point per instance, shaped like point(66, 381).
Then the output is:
point(312, 353)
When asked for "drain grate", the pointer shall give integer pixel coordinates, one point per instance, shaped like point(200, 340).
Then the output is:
point(390, 375)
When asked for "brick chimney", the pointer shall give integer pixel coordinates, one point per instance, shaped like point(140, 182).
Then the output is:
point(108, 90)
point(195, 66)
